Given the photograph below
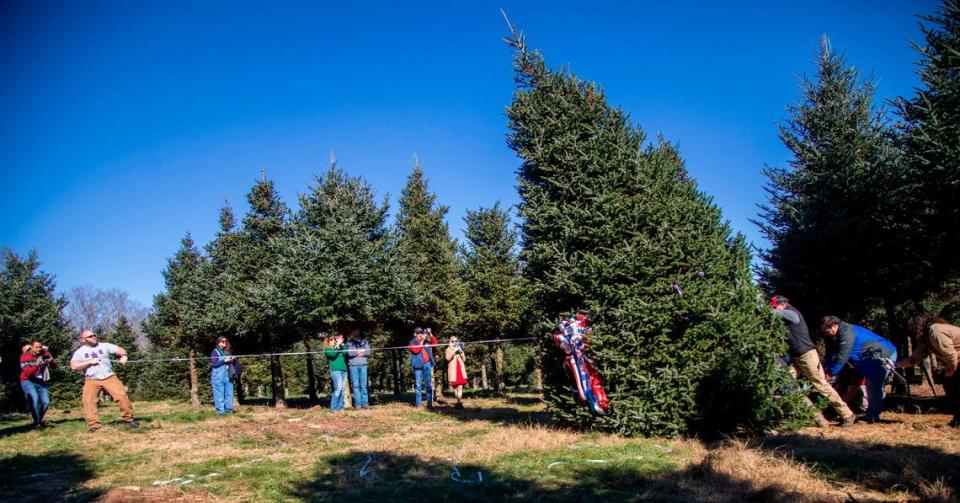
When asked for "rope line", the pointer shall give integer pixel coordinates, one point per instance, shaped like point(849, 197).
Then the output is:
point(302, 353)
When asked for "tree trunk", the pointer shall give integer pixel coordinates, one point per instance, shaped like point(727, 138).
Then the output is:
point(311, 377)
point(194, 386)
point(537, 370)
point(483, 374)
point(435, 375)
point(498, 369)
point(397, 378)
point(277, 387)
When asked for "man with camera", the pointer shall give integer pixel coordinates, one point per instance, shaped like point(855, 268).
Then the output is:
point(35, 365)
point(421, 359)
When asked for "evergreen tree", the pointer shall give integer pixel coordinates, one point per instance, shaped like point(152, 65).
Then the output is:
point(428, 256)
point(338, 268)
point(833, 218)
point(429, 267)
point(179, 318)
point(491, 272)
point(256, 299)
point(931, 140)
point(29, 308)
point(123, 335)
point(681, 337)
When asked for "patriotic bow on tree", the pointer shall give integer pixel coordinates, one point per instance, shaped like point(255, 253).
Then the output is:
point(571, 336)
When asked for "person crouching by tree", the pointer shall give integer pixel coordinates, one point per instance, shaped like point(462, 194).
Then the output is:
point(336, 352)
point(456, 368)
point(221, 361)
point(93, 358)
point(865, 351)
point(805, 360)
point(358, 353)
point(35, 365)
point(421, 360)
point(934, 335)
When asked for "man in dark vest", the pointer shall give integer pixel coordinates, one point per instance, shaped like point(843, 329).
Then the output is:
point(805, 360)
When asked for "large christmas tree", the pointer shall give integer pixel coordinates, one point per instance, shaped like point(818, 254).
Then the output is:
point(615, 227)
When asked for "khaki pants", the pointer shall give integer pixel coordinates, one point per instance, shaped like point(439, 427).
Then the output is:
point(808, 365)
point(113, 386)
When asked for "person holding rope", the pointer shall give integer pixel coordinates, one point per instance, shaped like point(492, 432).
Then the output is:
point(221, 370)
point(359, 350)
point(804, 360)
point(421, 360)
point(35, 365)
point(335, 350)
point(866, 352)
point(935, 335)
point(93, 358)
point(456, 368)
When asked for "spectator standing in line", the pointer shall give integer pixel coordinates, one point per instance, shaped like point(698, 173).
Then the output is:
point(35, 365)
point(221, 361)
point(336, 352)
point(421, 360)
point(805, 360)
point(866, 352)
point(934, 335)
point(456, 368)
point(358, 353)
point(93, 358)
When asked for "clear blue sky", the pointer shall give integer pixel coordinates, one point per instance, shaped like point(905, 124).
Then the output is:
point(127, 124)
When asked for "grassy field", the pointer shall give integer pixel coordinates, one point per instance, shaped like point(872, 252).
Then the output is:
point(495, 449)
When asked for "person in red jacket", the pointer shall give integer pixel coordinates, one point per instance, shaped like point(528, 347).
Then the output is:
point(35, 365)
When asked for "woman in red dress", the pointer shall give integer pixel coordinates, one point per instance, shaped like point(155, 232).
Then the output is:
point(456, 368)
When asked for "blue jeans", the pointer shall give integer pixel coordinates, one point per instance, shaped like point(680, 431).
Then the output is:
point(876, 376)
point(38, 398)
point(358, 383)
point(423, 378)
point(339, 380)
point(222, 389)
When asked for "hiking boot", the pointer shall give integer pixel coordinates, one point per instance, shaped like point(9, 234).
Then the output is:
point(94, 428)
point(134, 424)
point(848, 421)
point(458, 406)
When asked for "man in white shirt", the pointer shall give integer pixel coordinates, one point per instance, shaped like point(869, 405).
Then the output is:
point(93, 358)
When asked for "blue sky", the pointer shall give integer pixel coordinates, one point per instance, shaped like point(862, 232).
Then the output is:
point(127, 124)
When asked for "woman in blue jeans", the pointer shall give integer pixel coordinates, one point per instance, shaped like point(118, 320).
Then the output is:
point(336, 352)
point(220, 379)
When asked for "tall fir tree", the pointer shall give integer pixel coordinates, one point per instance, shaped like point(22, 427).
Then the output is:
point(257, 301)
point(833, 215)
point(179, 318)
point(29, 308)
point(491, 271)
point(619, 230)
point(931, 140)
point(428, 255)
point(338, 268)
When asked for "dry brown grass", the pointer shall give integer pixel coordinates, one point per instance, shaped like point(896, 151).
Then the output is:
point(906, 458)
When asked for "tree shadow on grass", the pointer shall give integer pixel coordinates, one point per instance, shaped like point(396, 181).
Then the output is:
point(384, 476)
point(11, 430)
point(498, 415)
point(55, 476)
point(878, 466)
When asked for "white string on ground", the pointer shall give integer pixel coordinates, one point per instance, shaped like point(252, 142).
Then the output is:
point(363, 469)
point(455, 476)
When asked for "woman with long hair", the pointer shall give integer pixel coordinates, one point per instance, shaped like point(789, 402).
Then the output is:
point(934, 335)
point(221, 358)
point(456, 368)
point(336, 350)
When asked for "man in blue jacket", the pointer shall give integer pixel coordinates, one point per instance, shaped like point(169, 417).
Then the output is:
point(865, 351)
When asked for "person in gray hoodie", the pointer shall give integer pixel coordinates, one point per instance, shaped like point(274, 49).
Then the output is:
point(357, 352)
